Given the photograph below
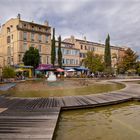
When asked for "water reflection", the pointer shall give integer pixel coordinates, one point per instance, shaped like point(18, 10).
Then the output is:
point(119, 122)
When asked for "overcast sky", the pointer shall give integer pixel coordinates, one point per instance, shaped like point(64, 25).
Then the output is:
point(91, 18)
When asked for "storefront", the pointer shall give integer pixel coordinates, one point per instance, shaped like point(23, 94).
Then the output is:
point(26, 71)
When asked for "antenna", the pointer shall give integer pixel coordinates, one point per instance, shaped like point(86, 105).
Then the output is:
point(18, 16)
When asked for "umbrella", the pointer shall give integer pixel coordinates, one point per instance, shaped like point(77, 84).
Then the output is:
point(59, 70)
point(45, 67)
point(71, 70)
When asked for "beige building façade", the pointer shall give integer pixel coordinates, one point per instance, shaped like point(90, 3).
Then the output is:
point(17, 35)
point(84, 46)
point(70, 54)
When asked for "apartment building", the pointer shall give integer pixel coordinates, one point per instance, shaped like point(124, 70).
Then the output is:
point(70, 54)
point(17, 35)
point(84, 46)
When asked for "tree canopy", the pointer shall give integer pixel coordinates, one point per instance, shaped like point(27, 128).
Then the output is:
point(31, 57)
point(93, 62)
point(59, 52)
point(53, 51)
point(107, 54)
point(128, 62)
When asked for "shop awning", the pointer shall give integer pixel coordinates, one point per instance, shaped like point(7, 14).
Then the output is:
point(23, 66)
point(59, 70)
point(71, 70)
point(45, 67)
point(81, 69)
point(19, 70)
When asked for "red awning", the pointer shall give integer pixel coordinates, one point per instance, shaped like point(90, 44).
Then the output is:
point(45, 67)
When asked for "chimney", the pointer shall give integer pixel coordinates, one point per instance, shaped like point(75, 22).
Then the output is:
point(85, 39)
point(46, 23)
point(18, 16)
point(72, 39)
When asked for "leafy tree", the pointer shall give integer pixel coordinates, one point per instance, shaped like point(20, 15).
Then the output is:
point(8, 72)
point(129, 62)
point(31, 57)
point(107, 54)
point(138, 68)
point(93, 62)
point(53, 51)
point(59, 52)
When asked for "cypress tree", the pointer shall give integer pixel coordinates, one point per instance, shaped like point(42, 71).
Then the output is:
point(59, 52)
point(53, 52)
point(107, 54)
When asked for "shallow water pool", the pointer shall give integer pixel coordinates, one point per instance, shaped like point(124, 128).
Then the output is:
point(118, 122)
point(61, 88)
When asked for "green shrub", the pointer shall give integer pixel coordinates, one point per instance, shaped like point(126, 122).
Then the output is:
point(8, 72)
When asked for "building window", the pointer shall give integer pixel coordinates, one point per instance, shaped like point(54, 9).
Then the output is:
point(47, 38)
point(68, 52)
point(40, 60)
point(77, 62)
point(12, 61)
point(82, 55)
point(63, 61)
point(72, 52)
point(32, 45)
point(93, 49)
point(32, 36)
point(12, 50)
point(39, 38)
point(47, 59)
point(44, 60)
point(24, 36)
point(8, 30)
point(56, 52)
point(24, 46)
point(12, 36)
point(64, 51)
point(89, 48)
point(8, 39)
point(19, 58)
point(8, 60)
point(81, 47)
point(39, 48)
point(96, 49)
point(67, 61)
point(77, 52)
point(85, 47)
point(8, 50)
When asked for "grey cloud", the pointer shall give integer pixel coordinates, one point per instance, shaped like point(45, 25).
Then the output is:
point(93, 18)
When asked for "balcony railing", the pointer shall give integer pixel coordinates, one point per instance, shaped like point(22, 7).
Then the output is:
point(19, 27)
